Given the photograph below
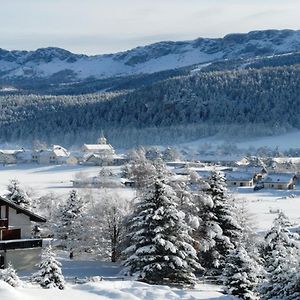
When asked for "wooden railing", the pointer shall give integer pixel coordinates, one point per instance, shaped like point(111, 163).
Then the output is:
point(20, 244)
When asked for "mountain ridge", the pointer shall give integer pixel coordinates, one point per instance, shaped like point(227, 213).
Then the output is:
point(45, 63)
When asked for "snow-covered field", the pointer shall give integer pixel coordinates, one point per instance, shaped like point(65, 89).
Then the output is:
point(264, 204)
point(107, 290)
point(44, 179)
point(283, 142)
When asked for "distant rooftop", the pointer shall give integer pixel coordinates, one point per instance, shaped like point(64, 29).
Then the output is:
point(279, 177)
point(239, 176)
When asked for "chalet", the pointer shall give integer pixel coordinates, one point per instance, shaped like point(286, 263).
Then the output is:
point(16, 242)
point(56, 155)
point(280, 181)
point(236, 178)
point(9, 156)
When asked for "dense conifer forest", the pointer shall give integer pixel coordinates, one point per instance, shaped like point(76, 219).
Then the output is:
point(263, 100)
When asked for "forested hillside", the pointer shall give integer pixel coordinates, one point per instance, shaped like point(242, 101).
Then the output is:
point(263, 101)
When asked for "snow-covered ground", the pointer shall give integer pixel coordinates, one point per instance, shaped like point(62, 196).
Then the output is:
point(262, 205)
point(283, 142)
point(111, 287)
point(107, 290)
point(44, 179)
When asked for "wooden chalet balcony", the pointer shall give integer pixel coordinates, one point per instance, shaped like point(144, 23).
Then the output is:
point(9, 234)
point(3, 223)
point(20, 244)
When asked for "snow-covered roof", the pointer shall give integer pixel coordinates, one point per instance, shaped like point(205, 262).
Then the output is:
point(279, 177)
point(97, 147)
point(93, 155)
point(33, 217)
point(10, 152)
point(243, 162)
point(281, 160)
point(60, 151)
point(239, 176)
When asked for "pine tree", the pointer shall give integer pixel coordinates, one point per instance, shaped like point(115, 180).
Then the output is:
point(71, 221)
point(241, 274)
point(10, 276)
point(282, 258)
point(17, 195)
point(219, 231)
point(50, 274)
point(161, 250)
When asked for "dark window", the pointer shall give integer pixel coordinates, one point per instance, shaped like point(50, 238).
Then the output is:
point(1, 262)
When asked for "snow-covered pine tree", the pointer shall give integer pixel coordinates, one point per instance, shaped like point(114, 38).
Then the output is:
point(49, 274)
point(279, 233)
point(71, 223)
point(18, 195)
point(186, 203)
point(281, 255)
point(10, 276)
point(241, 274)
point(219, 231)
point(161, 250)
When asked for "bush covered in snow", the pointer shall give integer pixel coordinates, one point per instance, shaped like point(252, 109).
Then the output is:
point(10, 276)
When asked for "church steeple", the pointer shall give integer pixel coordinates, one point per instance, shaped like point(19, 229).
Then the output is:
point(102, 140)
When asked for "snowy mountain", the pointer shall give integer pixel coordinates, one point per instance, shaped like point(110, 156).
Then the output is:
point(59, 65)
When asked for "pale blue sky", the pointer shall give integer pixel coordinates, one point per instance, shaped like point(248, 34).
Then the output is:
point(105, 26)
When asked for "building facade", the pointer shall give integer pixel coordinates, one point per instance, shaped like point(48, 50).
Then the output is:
point(17, 245)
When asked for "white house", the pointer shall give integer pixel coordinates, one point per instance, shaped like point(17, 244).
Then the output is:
point(280, 181)
point(9, 156)
point(236, 178)
point(56, 155)
point(16, 243)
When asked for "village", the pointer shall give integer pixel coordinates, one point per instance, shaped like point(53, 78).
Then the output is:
point(254, 172)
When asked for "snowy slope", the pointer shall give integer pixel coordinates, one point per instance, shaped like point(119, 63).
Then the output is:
point(55, 62)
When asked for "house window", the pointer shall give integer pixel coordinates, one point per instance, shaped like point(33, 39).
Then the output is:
point(234, 183)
